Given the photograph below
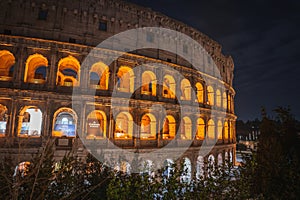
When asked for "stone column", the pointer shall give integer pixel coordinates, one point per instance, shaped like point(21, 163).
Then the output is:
point(193, 93)
point(205, 131)
point(159, 130)
point(111, 128)
point(47, 121)
point(19, 67)
point(136, 129)
point(159, 82)
point(194, 127)
point(52, 69)
point(138, 82)
point(112, 76)
point(12, 119)
point(84, 78)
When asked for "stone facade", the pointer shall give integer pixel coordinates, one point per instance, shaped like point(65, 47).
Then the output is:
point(58, 35)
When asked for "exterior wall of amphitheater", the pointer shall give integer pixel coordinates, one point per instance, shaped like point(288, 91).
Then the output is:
point(58, 36)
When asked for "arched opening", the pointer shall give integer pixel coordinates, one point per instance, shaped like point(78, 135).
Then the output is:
point(125, 79)
point(200, 129)
point(220, 128)
point(30, 122)
point(210, 96)
point(22, 169)
point(185, 89)
point(200, 92)
point(211, 129)
point(168, 168)
point(36, 69)
point(64, 123)
point(7, 61)
point(94, 80)
point(125, 167)
point(186, 175)
point(148, 127)
point(169, 87)
point(226, 156)
point(169, 127)
point(220, 159)
point(226, 130)
point(218, 98)
point(200, 167)
point(230, 157)
point(99, 76)
point(68, 73)
point(147, 167)
point(3, 120)
point(124, 126)
point(96, 125)
point(211, 164)
point(224, 100)
point(186, 128)
point(40, 73)
point(148, 83)
point(69, 82)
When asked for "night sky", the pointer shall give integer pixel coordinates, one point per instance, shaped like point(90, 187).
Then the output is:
point(263, 37)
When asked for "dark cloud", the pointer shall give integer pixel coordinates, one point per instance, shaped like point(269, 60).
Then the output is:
point(263, 39)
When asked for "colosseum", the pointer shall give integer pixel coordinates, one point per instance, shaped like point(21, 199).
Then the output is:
point(43, 45)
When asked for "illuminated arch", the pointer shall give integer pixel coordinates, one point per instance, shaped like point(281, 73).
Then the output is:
point(147, 167)
point(36, 69)
point(218, 98)
point(7, 60)
point(125, 167)
point(96, 125)
point(68, 73)
point(220, 159)
point(200, 167)
point(219, 129)
point(30, 122)
point(168, 168)
point(200, 92)
point(210, 95)
point(125, 79)
point(211, 129)
point(186, 128)
point(226, 157)
point(211, 159)
point(169, 87)
point(185, 89)
point(99, 76)
point(64, 123)
point(230, 156)
point(148, 126)
point(200, 129)
point(211, 164)
point(124, 126)
point(169, 127)
point(226, 132)
point(224, 100)
point(186, 175)
point(149, 83)
point(3, 120)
